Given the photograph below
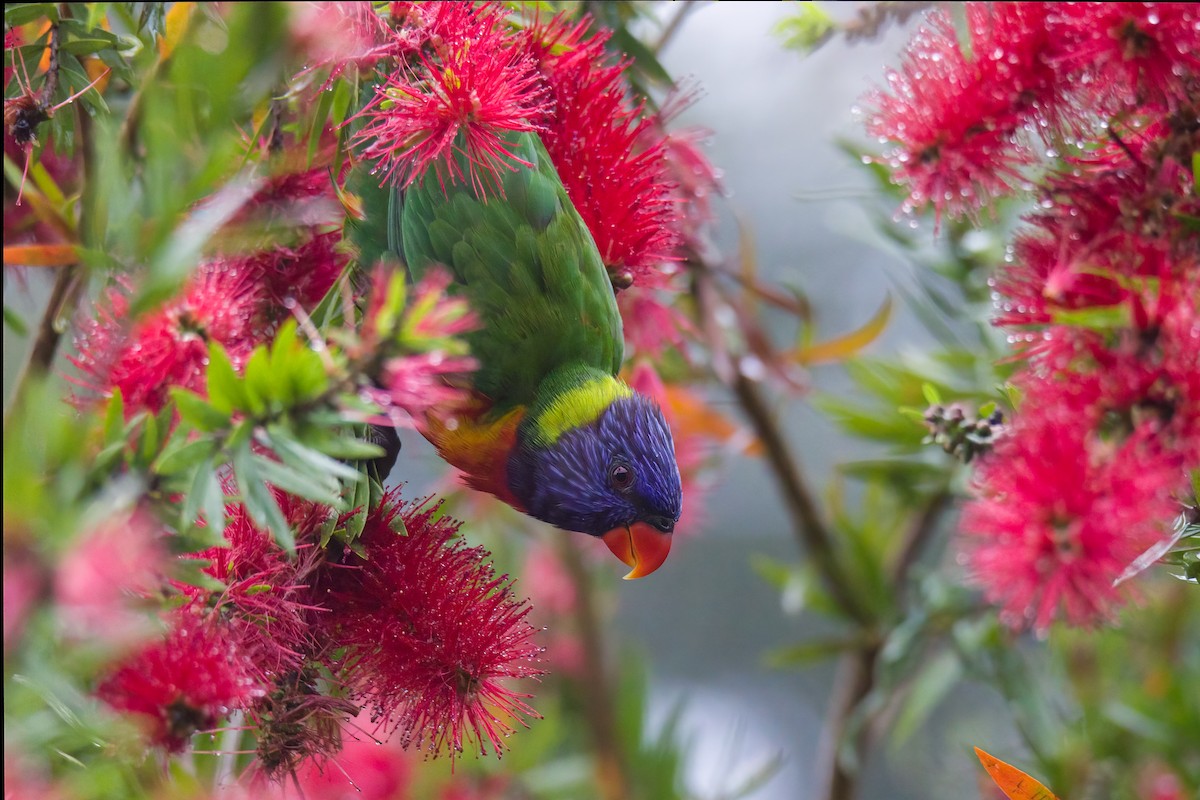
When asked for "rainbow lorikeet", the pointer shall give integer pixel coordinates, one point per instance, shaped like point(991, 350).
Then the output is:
point(552, 431)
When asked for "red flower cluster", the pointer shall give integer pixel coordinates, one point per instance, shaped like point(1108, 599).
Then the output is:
point(430, 632)
point(235, 300)
point(185, 683)
point(963, 120)
point(467, 77)
point(412, 623)
point(1100, 295)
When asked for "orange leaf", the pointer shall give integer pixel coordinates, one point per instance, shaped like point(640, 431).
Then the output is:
point(40, 255)
point(174, 26)
point(842, 347)
point(1014, 783)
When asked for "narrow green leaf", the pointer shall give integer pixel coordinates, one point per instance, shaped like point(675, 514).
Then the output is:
point(806, 653)
point(197, 412)
point(345, 447)
point(114, 418)
point(937, 677)
point(205, 496)
point(182, 456)
point(226, 392)
point(260, 387)
point(305, 458)
point(931, 394)
point(315, 486)
point(15, 323)
point(258, 499)
point(20, 13)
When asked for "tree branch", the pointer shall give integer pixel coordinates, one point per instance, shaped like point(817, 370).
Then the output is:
point(611, 775)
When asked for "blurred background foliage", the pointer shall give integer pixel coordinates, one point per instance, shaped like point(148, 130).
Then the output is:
point(138, 174)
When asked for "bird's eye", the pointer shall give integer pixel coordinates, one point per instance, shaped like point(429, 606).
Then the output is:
point(621, 477)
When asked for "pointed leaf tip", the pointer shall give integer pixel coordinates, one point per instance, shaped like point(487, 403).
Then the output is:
point(1015, 784)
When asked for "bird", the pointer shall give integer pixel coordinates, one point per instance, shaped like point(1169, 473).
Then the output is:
point(549, 428)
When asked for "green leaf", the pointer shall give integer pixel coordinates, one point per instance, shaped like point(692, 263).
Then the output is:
point(1096, 318)
point(931, 394)
point(258, 499)
point(315, 486)
point(806, 653)
point(197, 412)
point(258, 381)
point(338, 446)
point(305, 458)
point(808, 27)
point(226, 392)
point(20, 13)
point(182, 456)
point(937, 677)
point(114, 418)
point(15, 323)
point(205, 496)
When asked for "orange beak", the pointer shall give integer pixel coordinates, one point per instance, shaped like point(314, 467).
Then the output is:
point(640, 546)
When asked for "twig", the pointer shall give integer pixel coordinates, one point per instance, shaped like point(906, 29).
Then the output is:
point(810, 529)
point(673, 26)
point(856, 673)
point(611, 777)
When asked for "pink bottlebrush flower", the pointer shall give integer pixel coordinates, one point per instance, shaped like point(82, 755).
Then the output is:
point(555, 599)
point(415, 386)
point(408, 387)
point(457, 96)
point(103, 579)
point(1134, 55)
point(652, 323)
point(609, 153)
point(184, 683)
point(169, 347)
point(24, 583)
point(955, 120)
point(432, 632)
point(339, 35)
point(1059, 513)
point(23, 780)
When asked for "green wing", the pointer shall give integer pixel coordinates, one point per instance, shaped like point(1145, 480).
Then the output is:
point(528, 266)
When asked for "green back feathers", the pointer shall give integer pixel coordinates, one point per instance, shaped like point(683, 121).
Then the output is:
point(528, 266)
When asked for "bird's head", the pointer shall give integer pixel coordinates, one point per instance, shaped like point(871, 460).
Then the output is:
point(613, 476)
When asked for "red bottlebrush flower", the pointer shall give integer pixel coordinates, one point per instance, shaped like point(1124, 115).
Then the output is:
point(304, 272)
point(169, 347)
point(184, 683)
point(265, 599)
point(459, 95)
point(610, 155)
point(431, 632)
point(100, 580)
point(954, 120)
point(1060, 513)
point(1133, 54)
